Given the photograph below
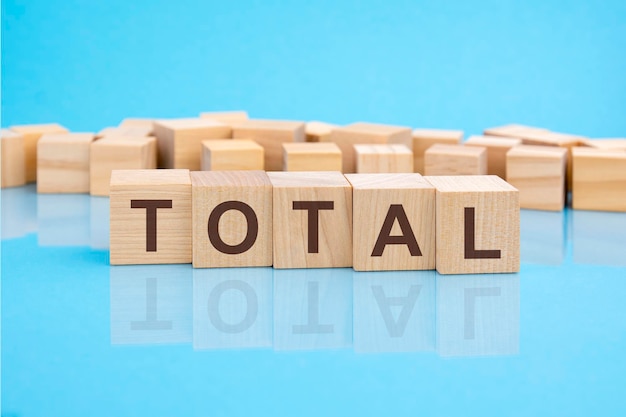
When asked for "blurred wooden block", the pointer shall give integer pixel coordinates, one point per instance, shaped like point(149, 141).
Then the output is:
point(393, 222)
point(63, 162)
point(312, 220)
point(150, 216)
point(226, 117)
point(231, 155)
point(270, 134)
point(606, 143)
point(31, 134)
point(477, 225)
point(232, 219)
point(365, 134)
point(512, 130)
point(425, 138)
point(383, 159)
point(133, 131)
point(599, 179)
point(315, 131)
point(497, 147)
point(135, 122)
point(455, 160)
point(311, 157)
point(13, 173)
point(538, 172)
point(119, 152)
point(180, 141)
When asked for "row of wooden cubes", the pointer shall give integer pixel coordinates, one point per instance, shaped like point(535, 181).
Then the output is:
point(456, 224)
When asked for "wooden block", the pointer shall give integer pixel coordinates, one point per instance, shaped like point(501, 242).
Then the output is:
point(180, 141)
point(606, 143)
point(63, 162)
point(425, 138)
point(125, 131)
point(383, 159)
point(226, 117)
point(497, 147)
point(31, 134)
point(312, 220)
point(315, 131)
point(13, 172)
point(231, 155)
point(538, 172)
point(455, 160)
point(319, 156)
point(599, 179)
point(119, 152)
point(477, 225)
point(150, 216)
point(512, 130)
point(232, 219)
point(270, 134)
point(363, 134)
point(135, 122)
point(393, 222)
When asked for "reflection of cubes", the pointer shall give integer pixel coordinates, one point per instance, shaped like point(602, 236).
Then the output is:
point(232, 308)
point(542, 237)
point(151, 304)
point(63, 219)
point(478, 315)
point(394, 311)
point(99, 230)
point(598, 237)
point(19, 211)
point(312, 309)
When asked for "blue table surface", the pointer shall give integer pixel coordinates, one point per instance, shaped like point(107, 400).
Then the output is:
point(80, 337)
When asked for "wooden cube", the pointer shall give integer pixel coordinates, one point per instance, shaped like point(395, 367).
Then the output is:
point(497, 147)
point(232, 219)
point(180, 141)
point(63, 162)
point(31, 134)
point(599, 179)
point(513, 130)
point(425, 138)
point(312, 220)
point(226, 117)
point(538, 172)
point(13, 172)
point(315, 131)
point(365, 133)
point(135, 122)
point(393, 222)
point(606, 143)
point(305, 156)
point(150, 216)
point(383, 159)
point(270, 134)
point(133, 131)
point(232, 155)
point(119, 152)
point(477, 225)
point(455, 160)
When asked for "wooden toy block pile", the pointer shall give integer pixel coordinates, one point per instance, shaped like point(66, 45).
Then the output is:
point(224, 190)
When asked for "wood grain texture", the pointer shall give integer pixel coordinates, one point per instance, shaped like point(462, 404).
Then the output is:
point(512, 130)
point(455, 160)
point(136, 122)
point(319, 156)
point(226, 117)
point(31, 134)
point(599, 179)
point(496, 230)
point(232, 155)
point(380, 200)
point(497, 147)
point(538, 172)
point(383, 159)
point(295, 245)
point(133, 131)
point(239, 206)
point(315, 131)
point(13, 172)
point(63, 162)
point(606, 143)
point(425, 138)
point(128, 226)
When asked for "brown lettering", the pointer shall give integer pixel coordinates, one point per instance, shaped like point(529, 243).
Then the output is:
point(470, 231)
point(151, 207)
point(396, 211)
point(313, 208)
point(251, 232)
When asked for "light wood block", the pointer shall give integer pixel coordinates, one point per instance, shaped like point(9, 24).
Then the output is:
point(150, 212)
point(383, 159)
point(606, 143)
point(232, 155)
point(312, 220)
point(232, 219)
point(538, 172)
point(393, 222)
point(180, 141)
point(315, 131)
point(497, 147)
point(137, 122)
point(599, 179)
point(270, 134)
point(319, 156)
point(365, 134)
point(119, 152)
point(133, 131)
point(425, 138)
point(63, 162)
point(455, 160)
point(512, 130)
point(477, 225)
point(31, 134)
point(226, 117)
point(12, 151)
